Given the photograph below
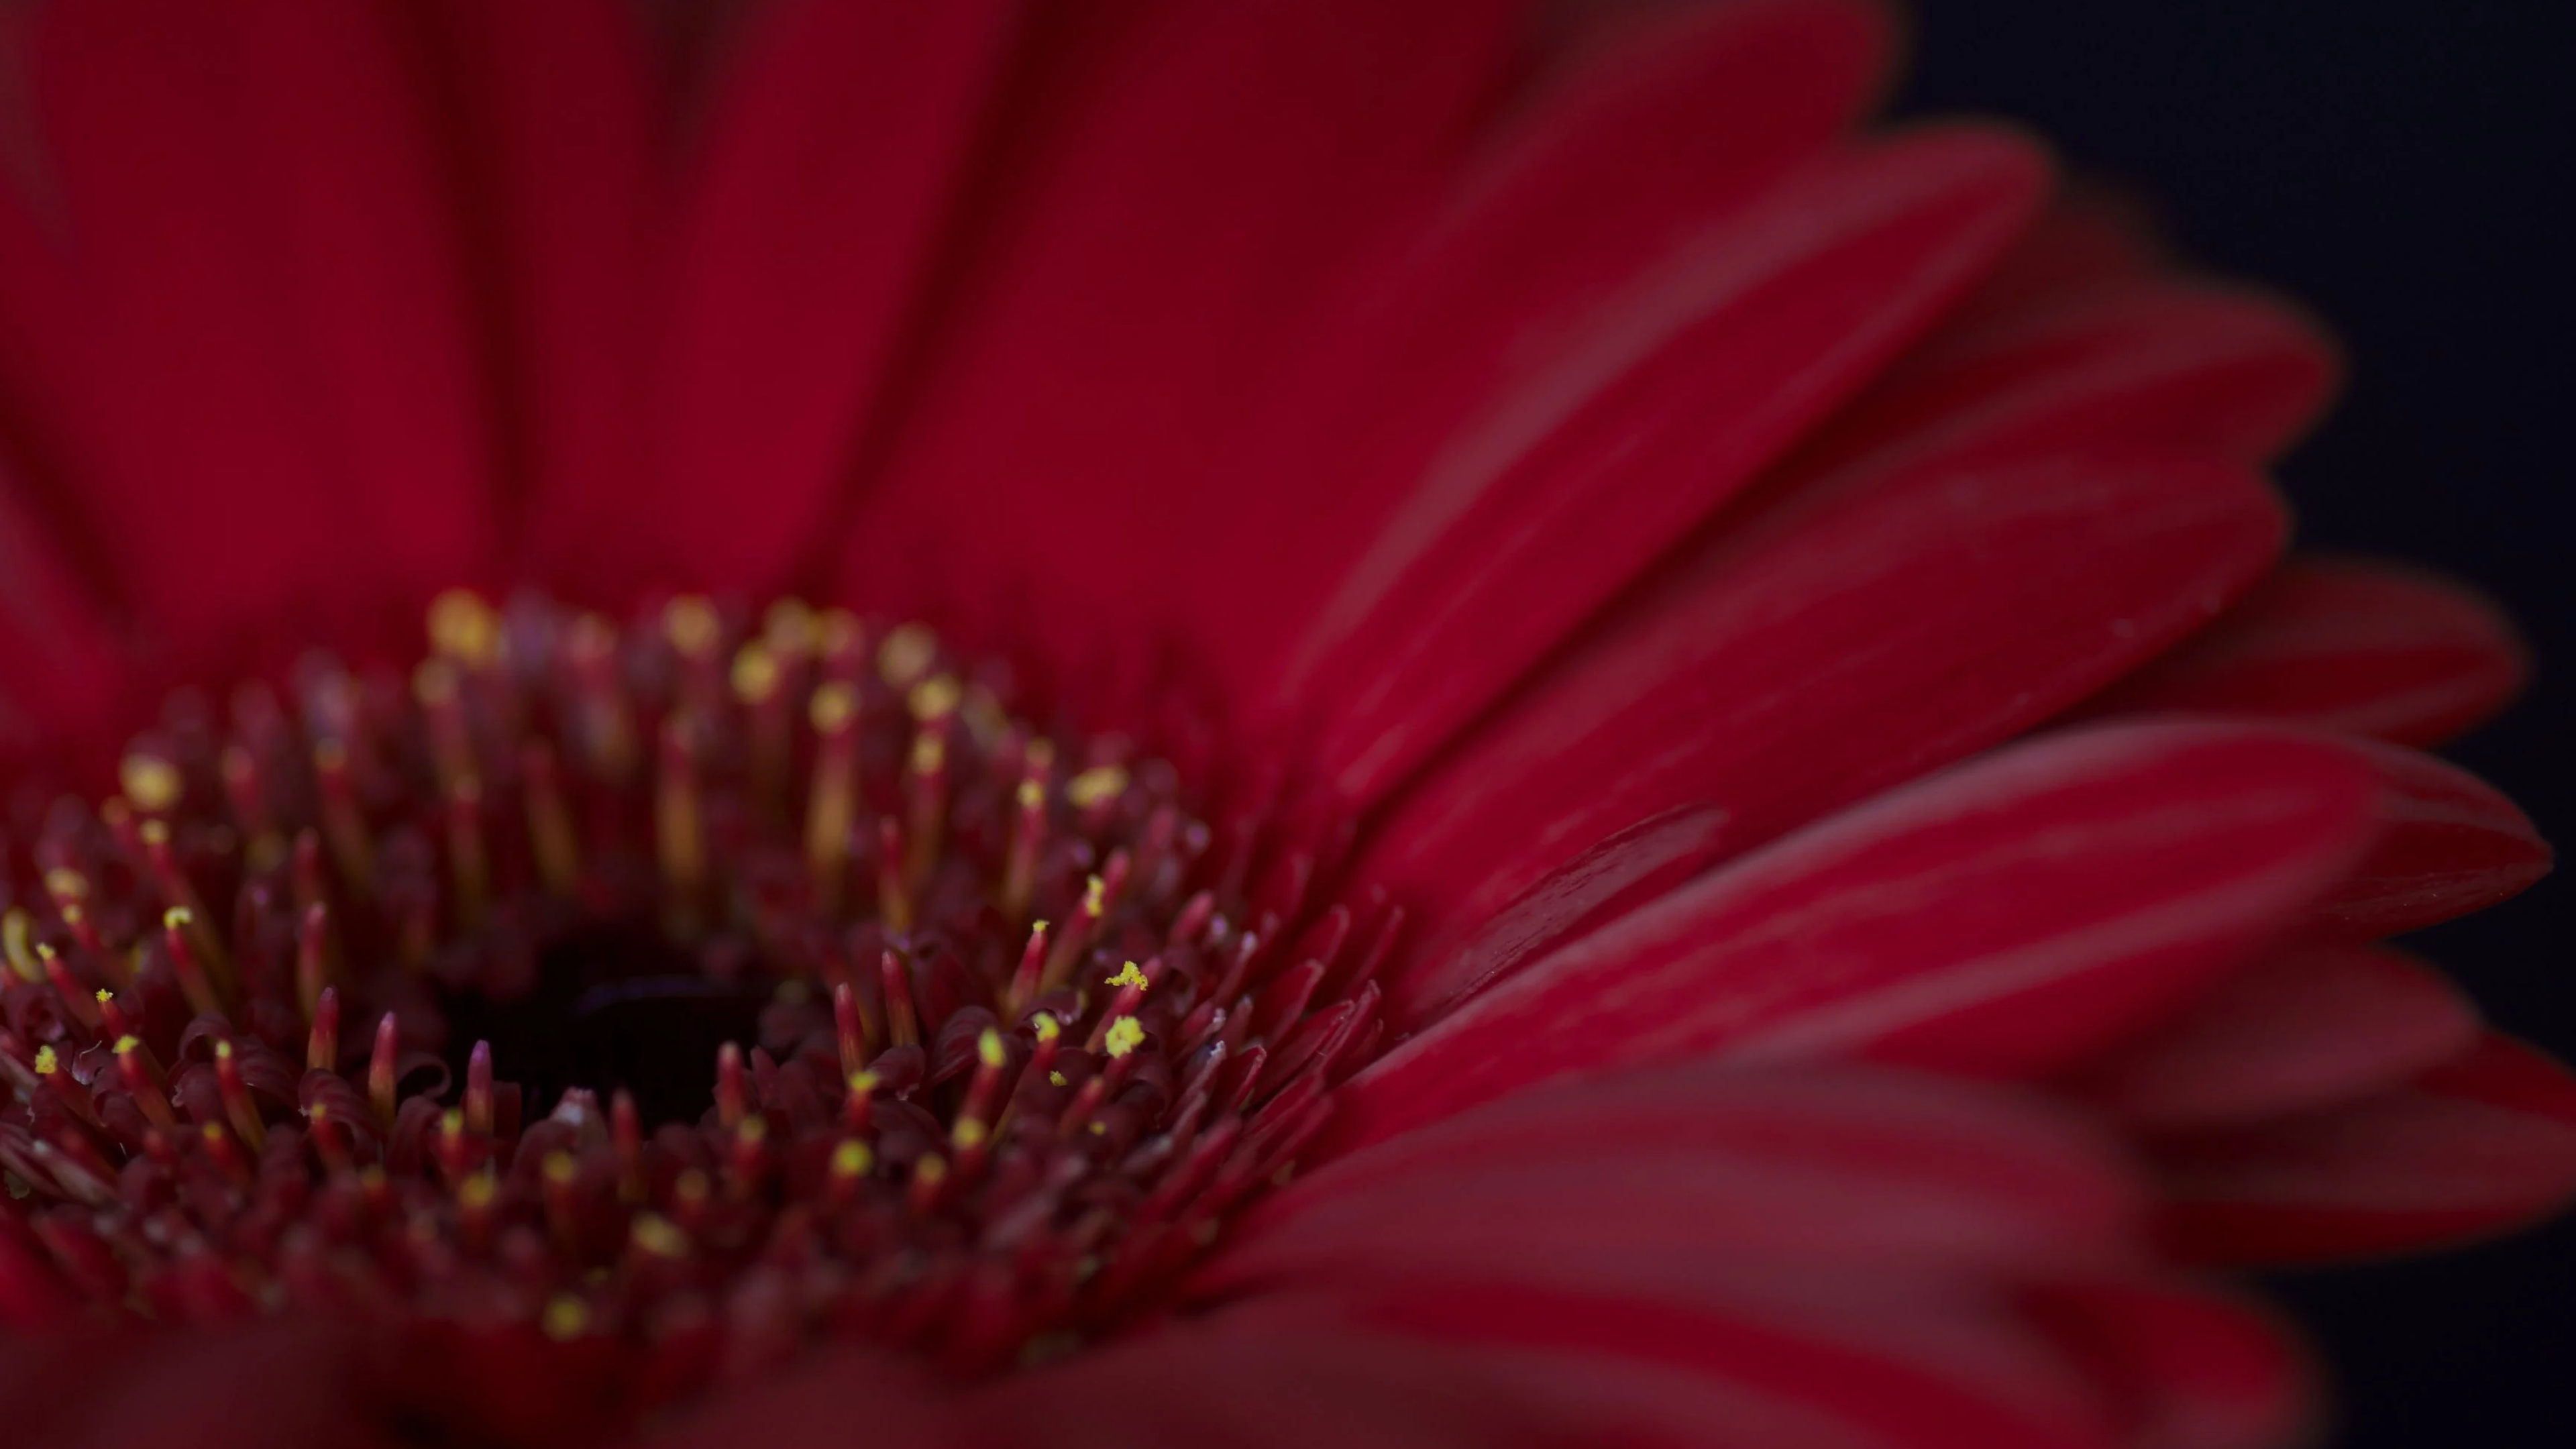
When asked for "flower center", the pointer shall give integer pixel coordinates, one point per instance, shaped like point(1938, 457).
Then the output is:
point(689, 992)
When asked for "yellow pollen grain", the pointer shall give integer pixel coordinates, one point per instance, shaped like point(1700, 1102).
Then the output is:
point(46, 1062)
point(566, 1318)
point(657, 1235)
point(1031, 794)
point(126, 1044)
point(64, 884)
point(1129, 975)
point(154, 832)
point(1095, 896)
point(151, 782)
point(929, 754)
point(931, 1169)
point(464, 628)
point(906, 654)
point(560, 1168)
point(969, 1134)
point(1055, 1079)
point(834, 706)
point(177, 918)
point(853, 1158)
point(14, 936)
point(752, 1132)
point(1046, 1026)
point(988, 1048)
point(105, 996)
point(1125, 1035)
point(1095, 786)
point(1099, 1129)
point(755, 673)
point(477, 1192)
point(223, 1051)
point(935, 697)
point(452, 1122)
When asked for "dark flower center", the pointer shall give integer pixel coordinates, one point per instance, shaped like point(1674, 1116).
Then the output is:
point(665, 999)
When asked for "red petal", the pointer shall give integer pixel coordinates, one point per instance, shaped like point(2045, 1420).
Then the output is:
point(2453, 845)
point(2477, 1145)
point(1227, 1384)
point(373, 259)
point(2186, 1370)
point(845, 1395)
point(1669, 1172)
point(2154, 362)
point(2002, 918)
point(2093, 238)
point(1692, 1365)
point(289, 1385)
point(62, 673)
point(832, 157)
point(1567, 255)
point(2365, 648)
point(1842, 640)
point(2321, 1026)
point(1159, 213)
point(203, 482)
point(1585, 461)
point(555, 120)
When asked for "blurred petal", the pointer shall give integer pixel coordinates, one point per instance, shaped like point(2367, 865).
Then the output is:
point(2185, 1369)
point(2477, 1145)
point(1669, 1170)
point(2453, 844)
point(552, 103)
point(2363, 647)
point(2319, 1026)
point(834, 154)
point(1165, 202)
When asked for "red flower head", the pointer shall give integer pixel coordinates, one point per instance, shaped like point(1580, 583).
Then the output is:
point(1171, 723)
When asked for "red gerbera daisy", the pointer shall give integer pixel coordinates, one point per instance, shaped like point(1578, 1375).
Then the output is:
point(1177, 723)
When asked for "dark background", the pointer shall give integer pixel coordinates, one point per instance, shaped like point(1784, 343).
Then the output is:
point(2401, 165)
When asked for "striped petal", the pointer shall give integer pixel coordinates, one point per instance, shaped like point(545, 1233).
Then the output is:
point(2478, 1145)
point(2363, 647)
point(2003, 918)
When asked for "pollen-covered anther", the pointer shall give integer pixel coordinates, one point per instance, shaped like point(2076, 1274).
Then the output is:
point(587, 975)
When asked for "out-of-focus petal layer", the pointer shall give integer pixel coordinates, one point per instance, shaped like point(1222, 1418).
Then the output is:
point(2363, 647)
point(2318, 1026)
point(1678, 1169)
point(271, 304)
point(1168, 195)
point(2004, 917)
point(2183, 1369)
point(832, 157)
point(2454, 844)
point(2476, 1145)
point(278, 1385)
point(552, 107)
